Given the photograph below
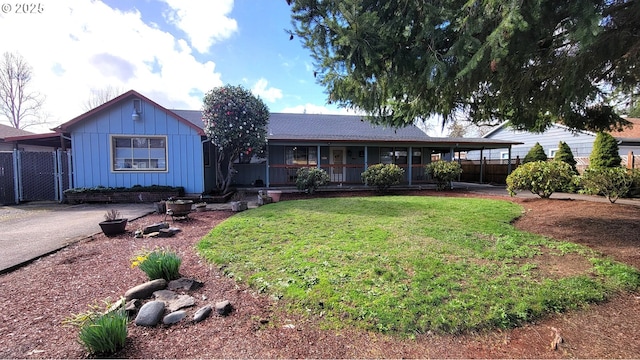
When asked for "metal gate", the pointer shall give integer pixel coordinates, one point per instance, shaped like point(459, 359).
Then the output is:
point(34, 176)
point(7, 188)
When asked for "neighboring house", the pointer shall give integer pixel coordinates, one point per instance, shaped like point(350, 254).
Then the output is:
point(580, 142)
point(131, 140)
point(8, 143)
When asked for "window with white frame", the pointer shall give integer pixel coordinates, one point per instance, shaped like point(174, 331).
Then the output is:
point(301, 155)
point(139, 153)
point(552, 153)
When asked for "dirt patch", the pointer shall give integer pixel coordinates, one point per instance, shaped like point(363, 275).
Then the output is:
point(36, 299)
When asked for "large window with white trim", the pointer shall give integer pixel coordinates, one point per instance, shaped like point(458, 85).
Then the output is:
point(139, 153)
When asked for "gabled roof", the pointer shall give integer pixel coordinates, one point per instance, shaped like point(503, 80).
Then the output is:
point(318, 127)
point(504, 124)
point(128, 95)
point(351, 128)
point(9, 131)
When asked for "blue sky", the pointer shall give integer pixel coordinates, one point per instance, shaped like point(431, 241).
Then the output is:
point(172, 51)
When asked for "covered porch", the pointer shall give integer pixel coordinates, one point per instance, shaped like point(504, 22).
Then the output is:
point(345, 161)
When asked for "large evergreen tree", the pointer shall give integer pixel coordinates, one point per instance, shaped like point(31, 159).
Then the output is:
point(605, 152)
point(536, 153)
point(565, 154)
point(530, 62)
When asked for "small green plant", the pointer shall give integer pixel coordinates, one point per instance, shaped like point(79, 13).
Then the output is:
point(542, 178)
point(112, 215)
point(443, 172)
point(535, 154)
point(309, 179)
point(105, 334)
point(611, 182)
point(93, 312)
point(565, 154)
point(383, 176)
point(158, 264)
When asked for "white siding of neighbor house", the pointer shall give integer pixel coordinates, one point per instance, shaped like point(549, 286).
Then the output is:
point(581, 143)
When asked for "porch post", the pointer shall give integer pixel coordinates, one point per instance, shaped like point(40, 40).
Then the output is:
point(366, 157)
point(267, 166)
point(451, 153)
point(509, 162)
point(481, 163)
point(410, 165)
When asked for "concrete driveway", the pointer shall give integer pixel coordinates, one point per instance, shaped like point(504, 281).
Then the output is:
point(32, 230)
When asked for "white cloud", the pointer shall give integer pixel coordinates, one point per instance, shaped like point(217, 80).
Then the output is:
point(78, 45)
point(204, 22)
point(270, 94)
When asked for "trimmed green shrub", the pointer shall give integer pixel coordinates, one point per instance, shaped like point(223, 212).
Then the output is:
point(383, 176)
point(443, 172)
point(611, 182)
point(309, 179)
point(605, 153)
point(106, 334)
point(535, 154)
point(565, 154)
point(159, 264)
point(635, 183)
point(542, 178)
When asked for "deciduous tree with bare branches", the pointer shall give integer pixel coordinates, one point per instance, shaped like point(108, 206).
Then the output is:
point(21, 106)
point(101, 96)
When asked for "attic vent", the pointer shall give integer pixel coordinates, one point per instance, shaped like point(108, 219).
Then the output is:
point(137, 109)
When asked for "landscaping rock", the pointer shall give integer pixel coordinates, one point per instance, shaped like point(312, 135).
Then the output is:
point(184, 284)
point(145, 290)
point(165, 233)
point(150, 314)
point(155, 228)
point(223, 307)
point(132, 306)
point(174, 317)
point(174, 301)
point(202, 313)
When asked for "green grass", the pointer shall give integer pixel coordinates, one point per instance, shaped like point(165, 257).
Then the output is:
point(406, 265)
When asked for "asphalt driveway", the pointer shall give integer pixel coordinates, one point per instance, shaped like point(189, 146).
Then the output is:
point(29, 231)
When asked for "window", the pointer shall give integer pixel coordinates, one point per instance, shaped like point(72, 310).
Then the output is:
point(301, 155)
point(416, 159)
point(133, 153)
point(552, 153)
point(390, 155)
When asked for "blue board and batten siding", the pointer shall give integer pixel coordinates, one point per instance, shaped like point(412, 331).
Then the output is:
point(92, 149)
point(581, 143)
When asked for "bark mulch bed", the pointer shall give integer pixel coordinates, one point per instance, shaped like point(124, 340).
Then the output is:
point(35, 299)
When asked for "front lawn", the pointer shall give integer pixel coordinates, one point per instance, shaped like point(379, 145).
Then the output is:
point(407, 265)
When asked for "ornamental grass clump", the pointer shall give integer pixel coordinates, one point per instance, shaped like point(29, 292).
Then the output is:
point(159, 264)
point(106, 334)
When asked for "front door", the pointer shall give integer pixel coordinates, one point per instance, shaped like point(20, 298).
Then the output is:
point(337, 165)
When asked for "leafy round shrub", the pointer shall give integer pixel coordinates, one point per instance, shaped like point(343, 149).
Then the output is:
point(443, 172)
point(383, 176)
point(535, 154)
point(605, 153)
point(106, 334)
point(309, 179)
point(159, 264)
point(542, 178)
point(612, 182)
